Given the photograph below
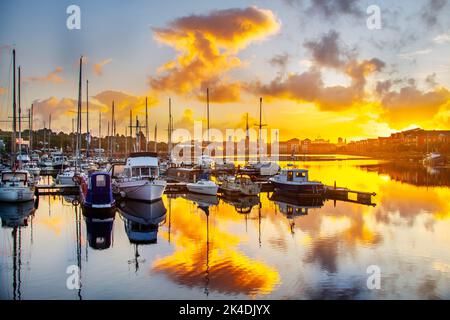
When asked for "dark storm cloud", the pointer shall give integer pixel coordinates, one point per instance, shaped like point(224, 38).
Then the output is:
point(431, 11)
point(326, 51)
point(333, 8)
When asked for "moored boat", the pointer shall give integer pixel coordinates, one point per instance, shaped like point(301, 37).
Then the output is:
point(207, 187)
point(96, 192)
point(239, 185)
point(16, 186)
point(140, 178)
point(296, 181)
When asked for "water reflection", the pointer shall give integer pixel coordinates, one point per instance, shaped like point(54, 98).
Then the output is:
point(242, 204)
point(15, 217)
point(99, 228)
point(412, 174)
point(142, 220)
point(192, 246)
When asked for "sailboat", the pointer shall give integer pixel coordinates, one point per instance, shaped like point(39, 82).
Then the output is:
point(16, 185)
point(261, 169)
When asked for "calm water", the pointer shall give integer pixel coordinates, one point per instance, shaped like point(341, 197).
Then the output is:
point(204, 248)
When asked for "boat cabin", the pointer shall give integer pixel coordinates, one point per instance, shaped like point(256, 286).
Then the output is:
point(141, 165)
point(294, 175)
point(15, 178)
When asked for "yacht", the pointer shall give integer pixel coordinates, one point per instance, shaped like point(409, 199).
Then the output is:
point(207, 187)
point(263, 169)
point(295, 206)
point(239, 185)
point(16, 186)
point(32, 168)
point(296, 181)
point(66, 177)
point(434, 159)
point(96, 191)
point(205, 161)
point(140, 178)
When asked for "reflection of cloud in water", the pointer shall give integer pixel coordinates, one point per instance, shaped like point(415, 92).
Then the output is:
point(229, 271)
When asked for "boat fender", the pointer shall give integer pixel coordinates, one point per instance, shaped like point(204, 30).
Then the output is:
point(123, 194)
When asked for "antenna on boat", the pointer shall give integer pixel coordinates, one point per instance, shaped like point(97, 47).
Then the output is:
point(169, 150)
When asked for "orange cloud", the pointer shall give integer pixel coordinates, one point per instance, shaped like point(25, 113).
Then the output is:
point(98, 67)
point(207, 46)
point(52, 77)
point(2, 90)
point(410, 105)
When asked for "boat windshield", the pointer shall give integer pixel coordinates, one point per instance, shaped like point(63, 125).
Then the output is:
point(9, 176)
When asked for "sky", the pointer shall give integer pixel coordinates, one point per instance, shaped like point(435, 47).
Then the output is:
point(320, 70)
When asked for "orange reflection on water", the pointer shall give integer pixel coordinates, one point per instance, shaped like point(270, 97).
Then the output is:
point(207, 255)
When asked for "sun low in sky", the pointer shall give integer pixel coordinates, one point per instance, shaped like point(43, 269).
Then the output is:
point(318, 66)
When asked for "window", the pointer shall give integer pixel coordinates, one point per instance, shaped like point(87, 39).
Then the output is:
point(300, 175)
point(145, 172)
point(135, 172)
point(290, 176)
point(154, 172)
point(100, 181)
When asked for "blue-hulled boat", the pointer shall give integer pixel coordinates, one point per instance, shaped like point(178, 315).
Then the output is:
point(96, 191)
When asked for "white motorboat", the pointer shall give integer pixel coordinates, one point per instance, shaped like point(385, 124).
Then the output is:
point(240, 185)
point(140, 178)
point(203, 187)
point(15, 186)
point(32, 168)
point(267, 169)
point(66, 177)
point(205, 161)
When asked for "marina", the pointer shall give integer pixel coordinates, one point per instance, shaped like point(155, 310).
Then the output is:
point(270, 240)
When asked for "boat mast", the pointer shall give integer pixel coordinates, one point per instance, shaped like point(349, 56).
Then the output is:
point(131, 129)
point(247, 139)
point(31, 118)
point(78, 141)
point(112, 132)
point(155, 137)
point(50, 130)
point(207, 112)
point(146, 125)
point(88, 135)
point(20, 122)
point(138, 134)
point(99, 130)
point(169, 150)
point(13, 139)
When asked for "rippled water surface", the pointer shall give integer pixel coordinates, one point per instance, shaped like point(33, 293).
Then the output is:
point(194, 247)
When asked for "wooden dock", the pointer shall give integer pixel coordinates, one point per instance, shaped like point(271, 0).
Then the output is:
point(174, 188)
point(348, 195)
point(56, 189)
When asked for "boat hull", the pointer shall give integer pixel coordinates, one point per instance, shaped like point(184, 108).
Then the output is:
point(305, 188)
point(11, 194)
point(66, 180)
point(211, 191)
point(143, 190)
